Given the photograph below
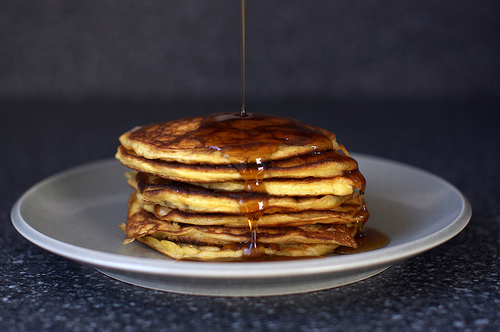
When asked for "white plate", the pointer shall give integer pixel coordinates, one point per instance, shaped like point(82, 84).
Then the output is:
point(76, 214)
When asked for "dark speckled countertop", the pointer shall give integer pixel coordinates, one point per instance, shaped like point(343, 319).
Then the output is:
point(454, 287)
point(411, 81)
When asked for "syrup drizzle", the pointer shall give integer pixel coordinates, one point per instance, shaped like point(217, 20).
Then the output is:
point(243, 111)
point(369, 239)
point(247, 140)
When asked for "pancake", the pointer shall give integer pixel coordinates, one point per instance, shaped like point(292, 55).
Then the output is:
point(338, 186)
point(141, 222)
point(179, 250)
point(189, 198)
point(228, 186)
point(321, 165)
point(348, 212)
point(179, 240)
point(189, 140)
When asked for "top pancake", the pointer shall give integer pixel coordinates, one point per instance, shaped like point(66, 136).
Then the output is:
point(227, 139)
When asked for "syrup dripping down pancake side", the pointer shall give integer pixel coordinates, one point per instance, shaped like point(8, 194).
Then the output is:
point(273, 165)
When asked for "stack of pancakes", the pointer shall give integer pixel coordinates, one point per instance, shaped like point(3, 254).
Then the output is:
point(230, 187)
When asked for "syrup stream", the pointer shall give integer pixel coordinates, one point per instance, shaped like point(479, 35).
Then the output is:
point(243, 112)
point(254, 206)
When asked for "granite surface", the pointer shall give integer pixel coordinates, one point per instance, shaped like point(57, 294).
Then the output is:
point(454, 287)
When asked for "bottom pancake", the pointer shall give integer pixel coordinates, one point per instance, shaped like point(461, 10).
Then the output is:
point(208, 253)
point(184, 241)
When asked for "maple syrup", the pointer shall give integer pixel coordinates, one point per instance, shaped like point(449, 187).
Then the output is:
point(248, 140)
point(369, 239)
point(243, 111)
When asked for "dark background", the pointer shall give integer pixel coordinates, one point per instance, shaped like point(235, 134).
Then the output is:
point(413, 81)
point(184, 50)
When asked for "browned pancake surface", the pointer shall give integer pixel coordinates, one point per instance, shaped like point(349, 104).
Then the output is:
point(141, 223)
point(220, 138)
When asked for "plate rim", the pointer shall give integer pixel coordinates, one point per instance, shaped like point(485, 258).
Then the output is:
point(254, 270)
